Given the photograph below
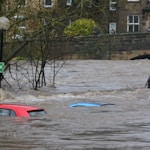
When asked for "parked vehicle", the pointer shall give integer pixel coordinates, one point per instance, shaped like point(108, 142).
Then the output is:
point(15, 110)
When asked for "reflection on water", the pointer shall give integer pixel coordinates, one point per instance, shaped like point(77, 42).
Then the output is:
point(125, 125)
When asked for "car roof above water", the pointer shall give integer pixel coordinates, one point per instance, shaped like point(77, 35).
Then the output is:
point(18, 106)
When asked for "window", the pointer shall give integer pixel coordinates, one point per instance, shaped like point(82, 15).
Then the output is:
point(69, 2)
point(20, 29)
point(48, 3)
point(133, 23)
point(46, 21)
point(112, 28)
point(21, 2)
point(7, 112)
point(112, 5)
point(36, 113)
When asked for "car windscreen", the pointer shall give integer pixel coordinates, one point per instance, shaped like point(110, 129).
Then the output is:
point(35, 113)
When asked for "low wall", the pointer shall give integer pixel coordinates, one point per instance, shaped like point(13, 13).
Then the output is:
point(118, 46)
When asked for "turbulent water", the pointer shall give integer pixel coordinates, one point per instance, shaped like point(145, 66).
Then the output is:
point(124, 125)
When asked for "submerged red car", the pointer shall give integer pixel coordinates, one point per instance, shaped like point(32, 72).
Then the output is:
point(16, 110)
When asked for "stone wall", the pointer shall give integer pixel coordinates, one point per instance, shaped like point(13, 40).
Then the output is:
point(119, 46)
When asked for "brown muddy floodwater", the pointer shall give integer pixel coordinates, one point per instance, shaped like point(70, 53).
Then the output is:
point(122, 126)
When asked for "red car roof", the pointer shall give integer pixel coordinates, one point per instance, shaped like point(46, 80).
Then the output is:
point(25, 107)
point(20, 110)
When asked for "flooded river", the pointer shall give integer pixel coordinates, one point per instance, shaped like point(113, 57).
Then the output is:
point(122, 126)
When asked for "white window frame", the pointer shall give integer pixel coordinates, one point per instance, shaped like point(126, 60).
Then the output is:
point(69, 2)
point(46, 6)
point(133, 0)
point(133, 23)
point(112, 27)
point(112, 3)
point(20, 27)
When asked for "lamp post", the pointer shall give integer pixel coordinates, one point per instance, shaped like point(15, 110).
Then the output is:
point(4, 25)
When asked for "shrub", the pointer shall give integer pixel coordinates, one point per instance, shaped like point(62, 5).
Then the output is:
point(82, 27)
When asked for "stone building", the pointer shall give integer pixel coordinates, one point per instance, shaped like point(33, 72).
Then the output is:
point(115, 16)
point(129, 15)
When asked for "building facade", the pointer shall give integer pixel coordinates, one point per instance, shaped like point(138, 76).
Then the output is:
point(115, 16)
point(129, 16)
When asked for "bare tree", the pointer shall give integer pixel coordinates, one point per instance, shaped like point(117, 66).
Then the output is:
point(33, 46)
point(32, 34)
